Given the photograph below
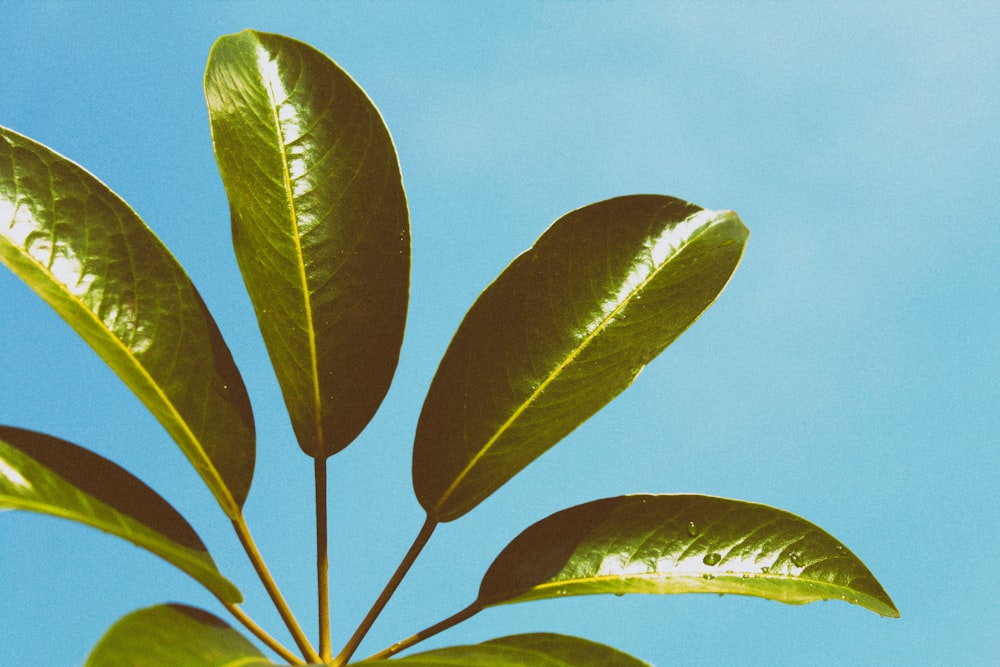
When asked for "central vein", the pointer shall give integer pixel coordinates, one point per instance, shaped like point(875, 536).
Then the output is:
point(277, 94)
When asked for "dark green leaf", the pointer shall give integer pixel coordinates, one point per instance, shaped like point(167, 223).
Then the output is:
point(320, 227)
point(529, 650)
point(563, 330)
point(84, 251)
point(174, 634)
point(40, 473)
point(680, 544)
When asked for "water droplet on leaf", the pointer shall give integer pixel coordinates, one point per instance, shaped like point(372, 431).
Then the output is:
point(692, 529)
point(796, 559)
point(711, 559)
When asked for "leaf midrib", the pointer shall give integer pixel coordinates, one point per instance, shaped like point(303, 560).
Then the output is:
point(721, 578)
point(300, 262)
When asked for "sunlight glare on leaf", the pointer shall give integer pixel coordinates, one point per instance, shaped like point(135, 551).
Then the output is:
point(13, 476)
point(675, 237)
point(59, 259)
point(669, 243)
point(19, 228)
point(287, 116)
point(618, 565)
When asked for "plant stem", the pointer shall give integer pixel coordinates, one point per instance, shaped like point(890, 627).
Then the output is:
point(259, 632)
point(390, 588)
point(322, 561)
point(453, 620)
point(243, 531)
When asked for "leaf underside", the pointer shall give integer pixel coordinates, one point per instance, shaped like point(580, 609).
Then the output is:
point(91, 258)
point(680, 544)
point(40, 473)
point(527, 650)
point(562, 331)
point(320, 227)
point(174, 634)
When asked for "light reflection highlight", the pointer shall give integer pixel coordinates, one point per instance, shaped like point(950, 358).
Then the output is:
point(13, 476)
point(56, 256)
point(694, 564)
point(289, 122)
point(658, 251)
point(21, 224)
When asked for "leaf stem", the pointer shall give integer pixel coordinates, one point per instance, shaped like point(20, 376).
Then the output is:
point(441, 626)
point(261, 634)
point(322, 561)
point(243, 531)
point(390, 588)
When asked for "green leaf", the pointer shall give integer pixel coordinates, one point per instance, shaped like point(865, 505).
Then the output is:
point(563, 330)
point(320, 227)
point(87, 254)
point(174, 634)
point(528, 650)
point(40, 473)
point(680, 544)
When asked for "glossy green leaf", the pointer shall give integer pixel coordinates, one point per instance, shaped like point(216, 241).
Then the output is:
point(528, 650)
point(320, 227)
point(84, 251)
point(40, 473)
point(174, 634)
point(680, 544)
point(563, 330)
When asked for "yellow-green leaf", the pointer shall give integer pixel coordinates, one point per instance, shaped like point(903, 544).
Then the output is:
point(174, 635)
point(562, 331)
point(320, 227)
point(87, 254)
point(680, 544)
point(40, 473)
point(528, 650)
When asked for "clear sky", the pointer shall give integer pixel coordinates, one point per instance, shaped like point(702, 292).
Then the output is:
point(847, 374)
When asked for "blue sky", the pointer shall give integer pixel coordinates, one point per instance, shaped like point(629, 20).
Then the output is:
point(847, 374)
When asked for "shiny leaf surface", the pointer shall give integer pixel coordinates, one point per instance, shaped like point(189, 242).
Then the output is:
point(40, 473)
point(84, 251)
point(680, 544)
point(174, 634)
point(320, 227)
point(563, 330)
point(528, 650)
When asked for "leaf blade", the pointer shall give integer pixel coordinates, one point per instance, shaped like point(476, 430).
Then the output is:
point(526, 650)
point(174, 634)
point(44, 474)
point(562, 331)
point(320, 227)
point(92, 259)
point(681, 543)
